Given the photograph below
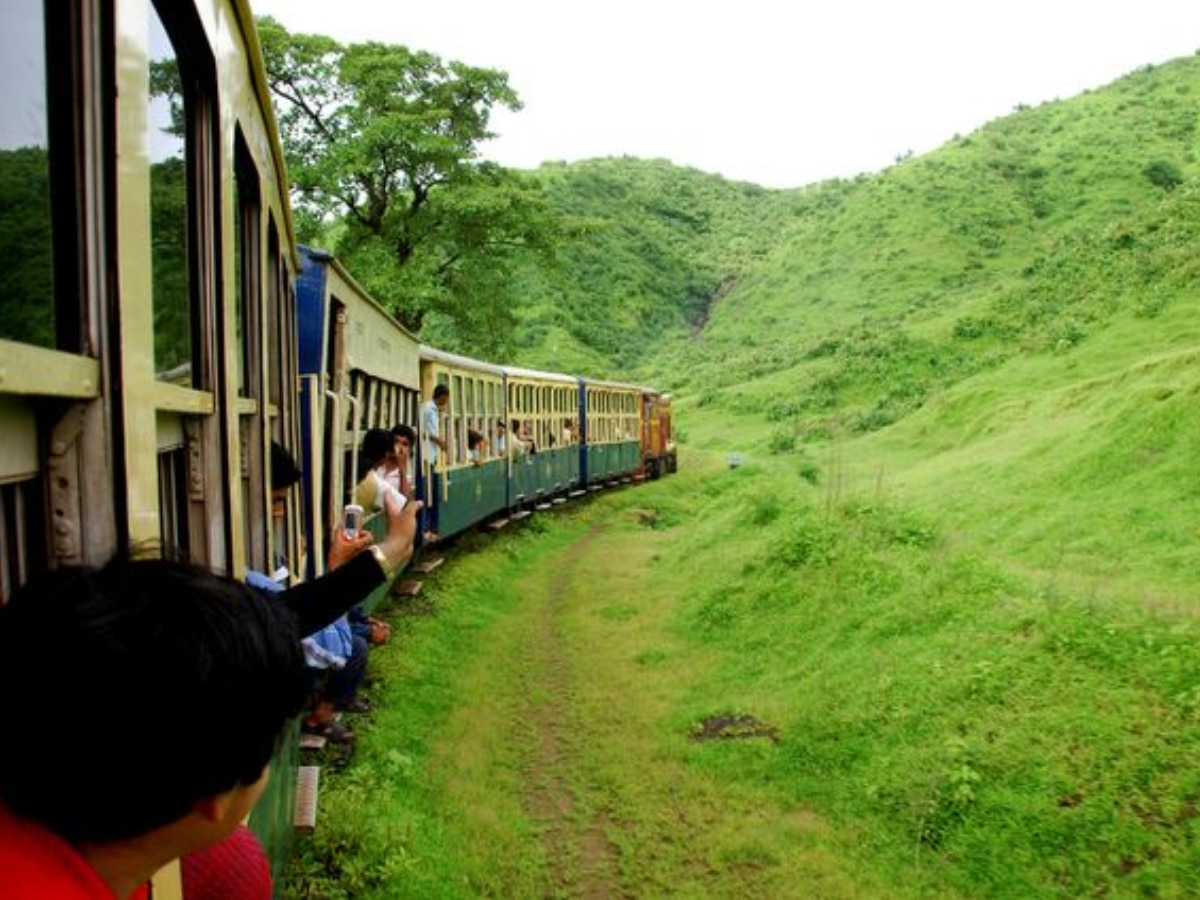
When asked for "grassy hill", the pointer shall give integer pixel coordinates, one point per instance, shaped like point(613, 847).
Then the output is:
point(1014, 310)
point(656, 244)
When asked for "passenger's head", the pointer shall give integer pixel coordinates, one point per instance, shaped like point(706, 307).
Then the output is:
point(161, 683)
point(404, 437)
point(441, 395)
point(376, 445)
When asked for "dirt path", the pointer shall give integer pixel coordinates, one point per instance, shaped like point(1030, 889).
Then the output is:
point(582, 861)
point(567, 767)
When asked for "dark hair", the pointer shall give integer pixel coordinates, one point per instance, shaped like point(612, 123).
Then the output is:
point(404, 431)
point(441, 391)
point(164, 682)
point(376, 445)
point(284, 471)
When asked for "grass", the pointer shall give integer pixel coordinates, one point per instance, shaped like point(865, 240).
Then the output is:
point(947, 726)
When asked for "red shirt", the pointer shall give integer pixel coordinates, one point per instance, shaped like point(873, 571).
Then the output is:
point(235, 869)
point(36, 864)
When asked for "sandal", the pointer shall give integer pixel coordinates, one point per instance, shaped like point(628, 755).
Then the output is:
point(331, 730)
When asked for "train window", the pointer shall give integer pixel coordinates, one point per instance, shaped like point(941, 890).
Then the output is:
point(247, 266)
point(166, 147)
point(280, 343)
point(455, 423)
point(173, 498)
point(27, 301)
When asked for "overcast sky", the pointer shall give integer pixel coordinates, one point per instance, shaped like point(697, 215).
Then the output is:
point(769, 91)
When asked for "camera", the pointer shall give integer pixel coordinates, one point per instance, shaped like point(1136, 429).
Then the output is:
point(352, 521)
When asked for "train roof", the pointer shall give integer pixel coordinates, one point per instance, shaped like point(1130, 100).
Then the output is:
point(258, 76)
point(535, 374)
point(618, 385)
point(454, 359)
point(468, 362)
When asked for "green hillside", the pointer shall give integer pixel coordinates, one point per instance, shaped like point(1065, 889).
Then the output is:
point(655, 244)
point(949, 319)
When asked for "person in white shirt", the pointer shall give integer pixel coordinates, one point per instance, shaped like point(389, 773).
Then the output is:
point(433, 443)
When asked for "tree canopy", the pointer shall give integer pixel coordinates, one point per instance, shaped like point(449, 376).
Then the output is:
point(382, 145)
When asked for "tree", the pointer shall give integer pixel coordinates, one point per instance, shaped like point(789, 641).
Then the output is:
point(382, 148)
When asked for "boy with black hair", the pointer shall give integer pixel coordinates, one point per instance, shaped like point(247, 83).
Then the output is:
point(202, 671)
point(170, 686)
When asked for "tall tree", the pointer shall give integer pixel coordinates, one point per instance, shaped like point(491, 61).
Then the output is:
point(382, 148)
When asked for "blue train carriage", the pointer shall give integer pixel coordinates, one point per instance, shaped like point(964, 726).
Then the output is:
point(147, 335)
point(359, 369)
point(543, 436)
point(611, 450)
point(469, 484)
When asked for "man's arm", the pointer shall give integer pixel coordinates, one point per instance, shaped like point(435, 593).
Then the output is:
point(354, 572)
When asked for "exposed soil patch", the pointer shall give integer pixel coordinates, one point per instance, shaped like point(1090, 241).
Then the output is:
point(733, 726)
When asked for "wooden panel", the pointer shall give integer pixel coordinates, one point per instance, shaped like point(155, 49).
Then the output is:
point(34, 370)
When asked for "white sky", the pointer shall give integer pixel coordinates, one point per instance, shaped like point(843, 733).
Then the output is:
point(781, 93)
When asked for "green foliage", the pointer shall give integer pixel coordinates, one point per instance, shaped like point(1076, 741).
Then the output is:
point(1163, 174)
point(382, 140)
point(659, 245)
point(871, 297)
point(27, 301)
point(169, 264)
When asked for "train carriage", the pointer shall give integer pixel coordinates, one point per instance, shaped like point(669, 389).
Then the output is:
point(359, 369)
point(612, 431)
point(471, 483)
point(544, 407)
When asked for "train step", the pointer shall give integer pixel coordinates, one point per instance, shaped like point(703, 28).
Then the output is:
point(577, 493)
point(311, 741)
point(305, 810)
point(496, 524)
point(558, 501)
point(521, 514)
point(407, 588)
point(426, 566)
point(542, 507)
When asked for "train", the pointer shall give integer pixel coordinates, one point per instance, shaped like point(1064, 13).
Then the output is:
point(161, 327)
point(360, 369)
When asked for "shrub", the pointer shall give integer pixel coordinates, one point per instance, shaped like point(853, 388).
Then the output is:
point(782, 440)
point(1163, 174)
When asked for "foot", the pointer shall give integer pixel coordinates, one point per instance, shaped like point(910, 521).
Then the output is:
point(357, 705)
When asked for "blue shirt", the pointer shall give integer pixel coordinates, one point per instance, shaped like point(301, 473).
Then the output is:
point(430, 419)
